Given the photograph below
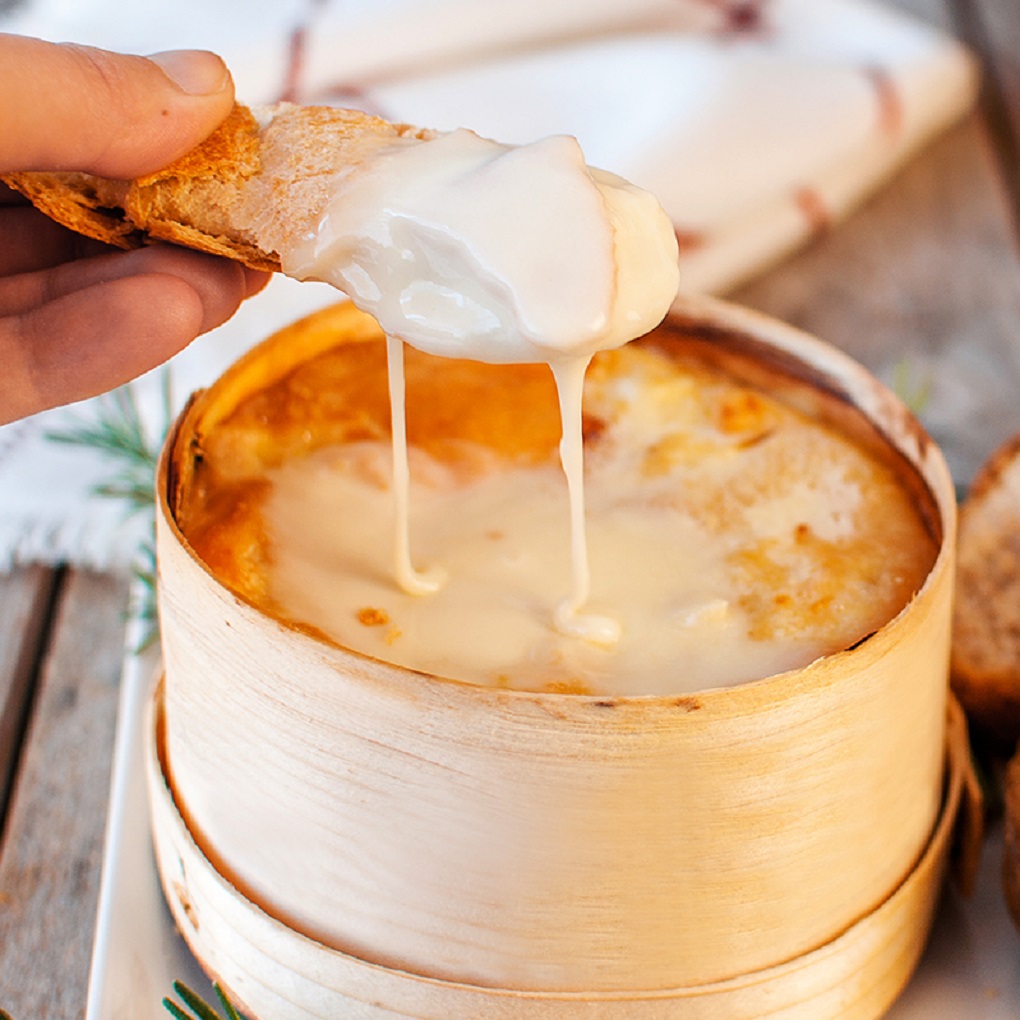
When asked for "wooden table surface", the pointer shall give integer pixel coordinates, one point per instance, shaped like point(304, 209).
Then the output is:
point(927, 273)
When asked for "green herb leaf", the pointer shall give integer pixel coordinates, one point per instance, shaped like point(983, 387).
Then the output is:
point(175, 1011)
point(227, 1005)
point(117, 432)
point(201, 1010)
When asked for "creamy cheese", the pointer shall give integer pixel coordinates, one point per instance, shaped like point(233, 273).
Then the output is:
point(463, 247)
point(731, 538)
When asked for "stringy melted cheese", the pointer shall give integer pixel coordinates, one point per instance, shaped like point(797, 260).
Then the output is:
point(463, 247)
point(731, 536)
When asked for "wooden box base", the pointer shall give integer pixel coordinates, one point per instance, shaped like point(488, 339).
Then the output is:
point(275, 973)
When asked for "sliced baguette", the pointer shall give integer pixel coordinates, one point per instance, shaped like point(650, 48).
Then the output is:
point(258, 182)
point(986, 623)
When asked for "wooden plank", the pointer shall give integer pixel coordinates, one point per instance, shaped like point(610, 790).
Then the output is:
point(923, 281)
point(52, 851)
point(25, 596)
point(993, 28)
point(935, 12)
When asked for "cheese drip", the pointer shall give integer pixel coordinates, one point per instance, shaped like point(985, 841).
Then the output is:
point(732, 537)
point(463, 247)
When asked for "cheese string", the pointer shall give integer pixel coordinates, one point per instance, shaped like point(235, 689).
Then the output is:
point(414, 582)
point(463, 247)
point(601, 630)
point(569, 376)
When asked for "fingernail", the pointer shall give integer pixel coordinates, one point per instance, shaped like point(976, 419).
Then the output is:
point(196, 72)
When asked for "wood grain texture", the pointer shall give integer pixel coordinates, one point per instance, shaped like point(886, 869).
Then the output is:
point(993, 28)
point(51, 855)
point(941, 13)
point(854, 977)
point(24, 610)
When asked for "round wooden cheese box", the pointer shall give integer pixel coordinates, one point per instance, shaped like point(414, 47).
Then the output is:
point(339, 836)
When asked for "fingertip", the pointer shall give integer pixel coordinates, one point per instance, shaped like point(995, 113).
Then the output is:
point(255, 280)
point(194, 72)
point(176, 309)
point(194, 293)
point(219, 285)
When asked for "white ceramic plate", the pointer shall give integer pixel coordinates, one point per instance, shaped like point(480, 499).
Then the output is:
point(970, 970)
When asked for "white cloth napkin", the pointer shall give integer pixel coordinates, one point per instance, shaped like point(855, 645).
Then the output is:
point(756, 122)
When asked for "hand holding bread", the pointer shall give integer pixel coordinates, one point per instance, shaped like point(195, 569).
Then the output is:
point(76, 320)
point(254, 184)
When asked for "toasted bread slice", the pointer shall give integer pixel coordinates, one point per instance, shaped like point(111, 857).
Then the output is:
point(256, 183)
point(986, 625)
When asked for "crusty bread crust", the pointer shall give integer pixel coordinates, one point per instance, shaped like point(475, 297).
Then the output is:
point(1011, 837)
point(129, 214)
point(986, 623)
point(257, 182)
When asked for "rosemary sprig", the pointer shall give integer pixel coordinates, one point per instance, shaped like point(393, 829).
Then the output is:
point(200, 1008)
point(117, 432)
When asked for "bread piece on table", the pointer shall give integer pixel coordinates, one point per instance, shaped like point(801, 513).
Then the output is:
point(256, 183)
point(986, 623)
point(1011, 837)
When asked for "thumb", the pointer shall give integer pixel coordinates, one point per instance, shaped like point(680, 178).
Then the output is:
point(68, 107)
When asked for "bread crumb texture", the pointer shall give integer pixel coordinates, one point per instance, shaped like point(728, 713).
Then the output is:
point(986, 624)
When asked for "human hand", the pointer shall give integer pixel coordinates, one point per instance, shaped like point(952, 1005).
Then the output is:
point(78, 317)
